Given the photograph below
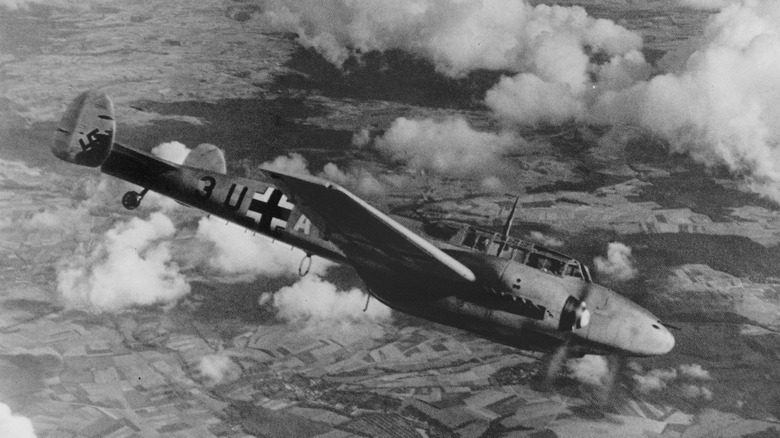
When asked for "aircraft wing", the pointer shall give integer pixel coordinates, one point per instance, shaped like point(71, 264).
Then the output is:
point(364, 233)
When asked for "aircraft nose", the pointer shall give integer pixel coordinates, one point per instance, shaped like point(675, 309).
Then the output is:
point(658, 340)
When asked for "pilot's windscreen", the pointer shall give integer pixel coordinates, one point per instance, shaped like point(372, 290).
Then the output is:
point(544, 263)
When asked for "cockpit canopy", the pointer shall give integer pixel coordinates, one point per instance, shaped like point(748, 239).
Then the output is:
point(523, 252)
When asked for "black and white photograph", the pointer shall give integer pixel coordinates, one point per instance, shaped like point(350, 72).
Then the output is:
point(389, 218)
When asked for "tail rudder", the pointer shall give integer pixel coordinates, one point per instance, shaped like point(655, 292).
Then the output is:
point(85, 134)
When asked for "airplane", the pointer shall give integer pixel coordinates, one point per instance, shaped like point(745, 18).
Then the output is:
point(499, 287)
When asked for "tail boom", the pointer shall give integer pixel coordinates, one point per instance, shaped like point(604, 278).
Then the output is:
point(85, 136)
point(255, 205)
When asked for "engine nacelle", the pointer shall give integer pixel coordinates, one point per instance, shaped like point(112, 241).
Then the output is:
point(85, 134)
point(531, 292)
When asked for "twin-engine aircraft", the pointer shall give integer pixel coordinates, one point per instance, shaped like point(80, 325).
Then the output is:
point(501, 288)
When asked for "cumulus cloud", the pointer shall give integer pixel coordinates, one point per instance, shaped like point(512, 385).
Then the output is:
point(527, 99)
point(681, 378)
point(319, 305)
point(130, 265)
point(618, 264)
point(694, 392)
point(694, 371)
point(360, 180)
point(15, 425)
point(714, 98)
point(547, 49)
point(361, 138)
point(173, 151)
point(244, 256)
point(356, 179)
point(654, 380)
point(456, 36)
point(448, 146)
point(589, 369)
point(293, 163)
point(218, 368)
point(545, 240)
point(718, 99)
point(530, 99)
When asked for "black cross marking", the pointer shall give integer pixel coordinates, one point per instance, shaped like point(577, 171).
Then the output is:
point(269, 210)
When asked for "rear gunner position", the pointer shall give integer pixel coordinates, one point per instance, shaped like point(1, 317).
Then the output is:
point(501, 288)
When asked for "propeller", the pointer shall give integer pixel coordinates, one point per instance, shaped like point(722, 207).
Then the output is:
point(563, 352)
point(616, 363)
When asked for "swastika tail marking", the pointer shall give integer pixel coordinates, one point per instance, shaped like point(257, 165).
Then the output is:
point(270, 210)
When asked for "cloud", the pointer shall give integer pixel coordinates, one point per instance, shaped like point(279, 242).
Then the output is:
point(717, 100)
point(355, 179)
point(618, 264)
point(293, 163)
point(714, 98)
point(658, 379)
point(546, 51)
point(238, 253)
point(15, 425)
point(361, 138)
point(526, 99)
point(360, 180)
point(654, 380)
point(694, 371)
point(589, 369)
point(448, 146)
point(319, 305)
point(544, 240)
point(173, 151)
point(219, 368)
point(694, 392)
point(456, 36)
point(130, 265)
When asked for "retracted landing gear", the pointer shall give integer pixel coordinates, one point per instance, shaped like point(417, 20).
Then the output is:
point(131, 200)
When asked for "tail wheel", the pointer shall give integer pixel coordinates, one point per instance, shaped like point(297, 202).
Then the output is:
point(131, 200)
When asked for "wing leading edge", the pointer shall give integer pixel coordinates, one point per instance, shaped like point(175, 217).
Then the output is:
point(364, 232)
